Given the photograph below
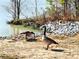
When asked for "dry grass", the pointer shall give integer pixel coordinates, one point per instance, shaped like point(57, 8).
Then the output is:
point(67, 49)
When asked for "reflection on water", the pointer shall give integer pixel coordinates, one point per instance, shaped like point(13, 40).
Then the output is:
point(8, 30)
point(19, 29)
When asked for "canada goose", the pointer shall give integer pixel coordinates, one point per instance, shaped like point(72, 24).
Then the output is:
point(46, 39)
point(29, 35)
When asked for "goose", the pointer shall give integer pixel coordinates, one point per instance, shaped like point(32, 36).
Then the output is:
point(29, 35)
point(46, 39)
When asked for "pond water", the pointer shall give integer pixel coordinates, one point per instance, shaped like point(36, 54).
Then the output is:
point(8, 30)
point(5, 29)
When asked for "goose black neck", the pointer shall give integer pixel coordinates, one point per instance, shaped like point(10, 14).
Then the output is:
point(45, 31)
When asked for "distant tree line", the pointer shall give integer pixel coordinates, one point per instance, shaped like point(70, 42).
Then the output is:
point(57, 10)
point(65, 8)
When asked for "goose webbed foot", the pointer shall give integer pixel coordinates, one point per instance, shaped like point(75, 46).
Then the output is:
point(46, 48)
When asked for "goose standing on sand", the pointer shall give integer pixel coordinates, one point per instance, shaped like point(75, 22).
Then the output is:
point(46, 39)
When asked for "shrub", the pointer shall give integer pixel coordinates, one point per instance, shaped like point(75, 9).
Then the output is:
point(15, 22)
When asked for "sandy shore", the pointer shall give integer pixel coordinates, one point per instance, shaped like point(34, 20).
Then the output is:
point(68, 48)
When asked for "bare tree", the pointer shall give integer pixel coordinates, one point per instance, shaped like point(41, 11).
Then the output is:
point(15, 8)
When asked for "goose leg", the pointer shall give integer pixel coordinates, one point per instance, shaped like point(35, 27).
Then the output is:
point(48, 46)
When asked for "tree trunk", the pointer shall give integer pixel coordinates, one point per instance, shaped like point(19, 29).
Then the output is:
point(65, 7)
point(36, 9)
point(77, 7)
point(18, 9)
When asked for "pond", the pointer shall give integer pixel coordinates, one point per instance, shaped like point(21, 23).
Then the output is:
point(8, 30)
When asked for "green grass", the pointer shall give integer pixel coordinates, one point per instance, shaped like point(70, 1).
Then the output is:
point(21, 27)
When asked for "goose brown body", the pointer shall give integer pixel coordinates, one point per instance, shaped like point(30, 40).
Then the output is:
point(48, 40)
point(29, 35)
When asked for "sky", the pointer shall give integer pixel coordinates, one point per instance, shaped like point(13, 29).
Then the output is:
point(28, 10)
point(3, 13)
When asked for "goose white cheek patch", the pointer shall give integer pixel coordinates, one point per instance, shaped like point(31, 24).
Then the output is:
point(42, 37)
